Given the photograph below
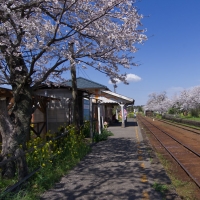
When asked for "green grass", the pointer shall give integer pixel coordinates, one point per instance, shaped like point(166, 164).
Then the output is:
point(185, 189)
point(191, 118)
point(162, 188)
point(182, 124)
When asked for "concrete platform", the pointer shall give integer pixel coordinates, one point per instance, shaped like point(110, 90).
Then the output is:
point(119, 168)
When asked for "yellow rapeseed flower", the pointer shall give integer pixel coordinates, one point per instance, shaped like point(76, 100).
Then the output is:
point(43, 165)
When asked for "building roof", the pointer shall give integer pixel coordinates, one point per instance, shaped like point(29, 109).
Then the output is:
point(5, 92)
point(83, 83)
point(100, 92)
point(114, 98)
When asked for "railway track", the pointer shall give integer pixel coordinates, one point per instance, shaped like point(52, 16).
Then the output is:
point(181, 149)
point(185, 127)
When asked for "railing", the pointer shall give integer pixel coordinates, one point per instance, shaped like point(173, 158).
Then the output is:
point(39, 127)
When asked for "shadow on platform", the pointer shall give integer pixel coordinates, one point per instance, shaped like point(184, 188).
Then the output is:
point(128, 123)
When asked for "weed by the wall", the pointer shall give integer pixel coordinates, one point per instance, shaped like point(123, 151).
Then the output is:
point(103, 136)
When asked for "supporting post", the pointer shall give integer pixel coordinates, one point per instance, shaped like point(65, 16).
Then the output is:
point(46, 113)
point(102, 121)
point(116, 114)
point(123, 117)
point(91, 119)
point(99, 118)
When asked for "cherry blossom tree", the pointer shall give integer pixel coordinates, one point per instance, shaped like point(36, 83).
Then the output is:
point(190, 99)
point(175, 105)
point(150, 105)
point(41, 39)
point(184, 101)
point(195, 97)
point(187, 101)
point(158, 102)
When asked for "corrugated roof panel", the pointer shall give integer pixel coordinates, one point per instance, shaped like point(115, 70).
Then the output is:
point(83, 83)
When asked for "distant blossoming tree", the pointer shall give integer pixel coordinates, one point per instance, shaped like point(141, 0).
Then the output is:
point(186, 101)
point(158, 102)
point(195, 97)
point(41, 39)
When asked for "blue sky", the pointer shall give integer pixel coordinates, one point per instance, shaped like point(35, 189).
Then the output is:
point(170, 59)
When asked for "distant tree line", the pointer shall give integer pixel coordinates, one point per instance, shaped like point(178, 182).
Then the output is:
point(187, 102)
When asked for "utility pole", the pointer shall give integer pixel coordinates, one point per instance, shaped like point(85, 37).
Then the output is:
point(115, 86)
point(75, 109)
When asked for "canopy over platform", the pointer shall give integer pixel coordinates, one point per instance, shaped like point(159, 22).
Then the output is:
point(112, 97)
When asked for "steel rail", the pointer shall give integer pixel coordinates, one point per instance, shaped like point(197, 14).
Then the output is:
point(180, 126)
point(175, 139)
point(180, 164)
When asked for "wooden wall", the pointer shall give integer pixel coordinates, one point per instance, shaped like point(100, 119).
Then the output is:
point(58, 112)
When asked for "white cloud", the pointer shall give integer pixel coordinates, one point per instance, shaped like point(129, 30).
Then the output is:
point(133, 78)
point(118, 81)
point(129, 78)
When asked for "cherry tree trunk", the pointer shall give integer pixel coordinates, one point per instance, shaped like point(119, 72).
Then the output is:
point(15, 128)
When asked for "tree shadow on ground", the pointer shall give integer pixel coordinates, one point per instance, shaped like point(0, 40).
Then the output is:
point(110, 171)
point(129, 122)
